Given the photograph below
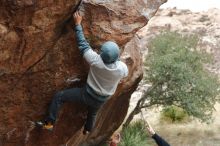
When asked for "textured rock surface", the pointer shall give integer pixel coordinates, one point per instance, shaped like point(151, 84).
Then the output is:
point(38, 55)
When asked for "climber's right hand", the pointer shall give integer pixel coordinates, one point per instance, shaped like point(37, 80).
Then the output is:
point(77, 18)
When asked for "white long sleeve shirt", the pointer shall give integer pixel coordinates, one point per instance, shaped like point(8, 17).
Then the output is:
point(104, 78)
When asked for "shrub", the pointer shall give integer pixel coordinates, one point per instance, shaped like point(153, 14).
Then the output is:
point(135, 135)
point(176, 71)
point(174, 114)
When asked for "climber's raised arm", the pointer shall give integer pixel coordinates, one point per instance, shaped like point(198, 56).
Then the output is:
point(81, 40)
point(90, 56)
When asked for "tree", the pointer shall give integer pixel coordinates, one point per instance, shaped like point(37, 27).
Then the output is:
point(177, 74)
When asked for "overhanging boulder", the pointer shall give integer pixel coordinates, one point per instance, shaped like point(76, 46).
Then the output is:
point(38, 56)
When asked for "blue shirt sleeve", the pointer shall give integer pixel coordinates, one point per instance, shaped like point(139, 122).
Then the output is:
point(81, 41)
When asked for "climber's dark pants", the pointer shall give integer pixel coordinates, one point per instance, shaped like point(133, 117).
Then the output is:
point(75, 95)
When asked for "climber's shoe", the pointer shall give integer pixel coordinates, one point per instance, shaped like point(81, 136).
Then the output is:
point(44, 125)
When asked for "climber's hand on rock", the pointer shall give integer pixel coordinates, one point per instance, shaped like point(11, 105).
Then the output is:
point(77, 18)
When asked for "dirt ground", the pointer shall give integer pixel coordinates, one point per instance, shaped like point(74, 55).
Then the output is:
point(193, 133)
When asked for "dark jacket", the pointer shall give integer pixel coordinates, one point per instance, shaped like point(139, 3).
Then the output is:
point(159, 140)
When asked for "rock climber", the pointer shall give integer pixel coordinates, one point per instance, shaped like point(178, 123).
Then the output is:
point(106, 70)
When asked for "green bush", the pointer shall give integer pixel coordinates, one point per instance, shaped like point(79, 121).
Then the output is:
point(176, 71)
point(135, 135)
point(174, 114)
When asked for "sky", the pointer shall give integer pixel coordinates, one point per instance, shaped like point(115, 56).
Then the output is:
point(193, 5)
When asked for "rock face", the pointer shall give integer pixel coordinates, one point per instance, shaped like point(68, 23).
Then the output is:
point(39, 56)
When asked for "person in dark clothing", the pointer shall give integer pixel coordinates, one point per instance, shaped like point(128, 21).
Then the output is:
point(106, 71)
point(159, 140)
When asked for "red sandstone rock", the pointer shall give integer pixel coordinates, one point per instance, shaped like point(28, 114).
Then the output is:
point(38, 53)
